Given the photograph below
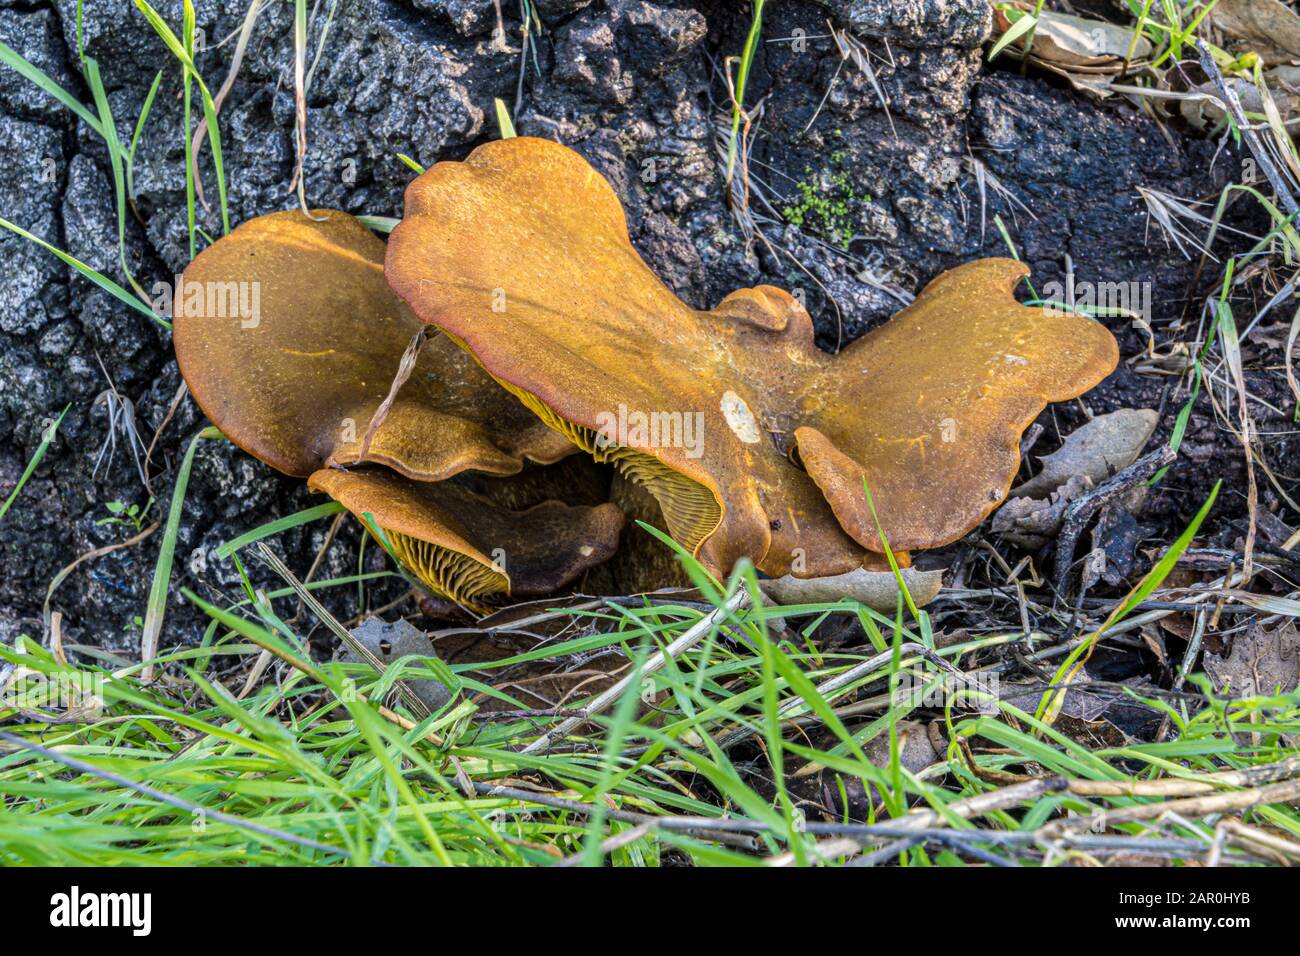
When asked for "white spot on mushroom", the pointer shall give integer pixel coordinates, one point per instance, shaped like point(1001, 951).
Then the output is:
point(739, 418)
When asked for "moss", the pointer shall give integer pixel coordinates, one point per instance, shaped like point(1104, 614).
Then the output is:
point(826, 203)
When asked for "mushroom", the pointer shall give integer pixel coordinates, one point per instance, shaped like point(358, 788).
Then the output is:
point(296, 381)
point(521, 254)
point(464, 547)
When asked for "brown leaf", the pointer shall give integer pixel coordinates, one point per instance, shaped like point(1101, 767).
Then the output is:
point(1283, 83)
point(876, 589)
point(916, 752)
point(1096, 449)
point(1032, 522)
point(1266, 27)
point(389, 643)
point(1071, 43)
point(1262, 661)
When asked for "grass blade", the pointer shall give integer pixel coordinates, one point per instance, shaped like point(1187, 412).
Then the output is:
point(1051, 703)
point(162, 572)
point(101, 280)
point(12, 58)
point(46, 439)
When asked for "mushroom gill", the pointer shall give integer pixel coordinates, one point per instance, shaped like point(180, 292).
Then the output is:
point(521, 255)
point(464, 547)
point(690, 510)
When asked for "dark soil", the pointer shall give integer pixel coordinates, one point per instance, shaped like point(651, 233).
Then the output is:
point(637, 88)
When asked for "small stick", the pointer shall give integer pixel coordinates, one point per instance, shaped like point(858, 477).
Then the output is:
point(1196, 806)
point(726, 830)
point(1184, 786)
point(272, 560)
point(404, 370)
point(1233, 106)
point(1081, 510)
point(1252, 839)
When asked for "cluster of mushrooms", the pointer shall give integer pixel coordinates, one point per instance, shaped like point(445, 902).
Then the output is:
point(482, 453)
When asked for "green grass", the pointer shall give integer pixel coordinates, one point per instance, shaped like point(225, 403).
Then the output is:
point(158, 592)
point(182, 49)
point(308, 770)
point(742, 79)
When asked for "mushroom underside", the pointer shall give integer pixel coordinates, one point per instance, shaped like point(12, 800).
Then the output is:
point(690, 510)
point(464, 547)
point(449, 573)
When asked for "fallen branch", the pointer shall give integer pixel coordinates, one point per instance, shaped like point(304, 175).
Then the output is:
point(1184, 786)
point(1235, 800)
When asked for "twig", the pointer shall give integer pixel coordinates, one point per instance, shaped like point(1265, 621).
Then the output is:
point(404, 370)
point(699, 825)
point(272, 560)
point(905, 832)
point(1233, 106)
point(1082, 509)
point(1186, 786)
point(181, 392)
point(1252, 839)
point(1195, 806)
point(89, 556)
point(612, 843)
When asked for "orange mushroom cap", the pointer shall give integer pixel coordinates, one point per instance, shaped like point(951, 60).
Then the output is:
point(295, 375)
point(466, 548)
point(930, 416)
point(521, 253)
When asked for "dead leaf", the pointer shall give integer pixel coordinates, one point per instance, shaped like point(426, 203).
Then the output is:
point(1262, 661)
point(1088, 699)
point(1115, 539)
point(1032, 522)
point(1206, 111)
point(1090, 54)
point(916, 752)
point(1265, 27)
point(1096, 449)
point(390, 643)
point(1078, 43)
point(878, 590)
